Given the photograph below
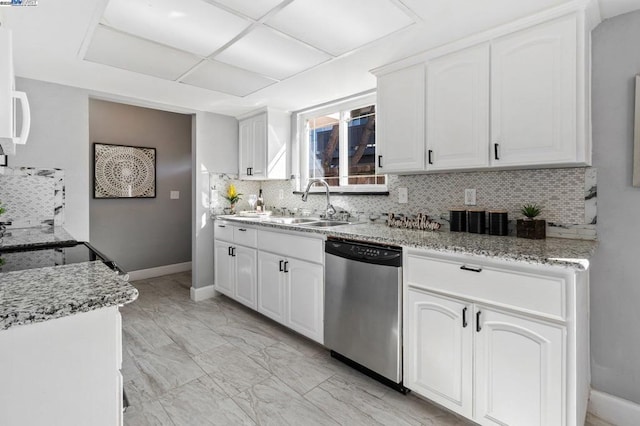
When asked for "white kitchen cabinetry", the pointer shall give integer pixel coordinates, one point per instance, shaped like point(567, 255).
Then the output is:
point(513, 97)
point(291, 282)
point(8, 96)
point(400, 121)
point(501, 343)
point(458, 110)
point(64, 371)
point(264, 138)
point(533, 96)
point(235, 263)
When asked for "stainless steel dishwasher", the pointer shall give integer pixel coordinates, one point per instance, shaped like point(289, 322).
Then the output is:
point(363, 308)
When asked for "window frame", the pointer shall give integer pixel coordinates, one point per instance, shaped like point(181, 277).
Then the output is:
point(343, 106)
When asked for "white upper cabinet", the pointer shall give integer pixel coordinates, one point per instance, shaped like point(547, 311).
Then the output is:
point(513, 97)
point(533, 97)
point(458, 110)
point(264, 138)
point(400, 126)
point(9, 135)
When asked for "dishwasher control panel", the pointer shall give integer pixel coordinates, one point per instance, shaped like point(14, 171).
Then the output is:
point(364, 252)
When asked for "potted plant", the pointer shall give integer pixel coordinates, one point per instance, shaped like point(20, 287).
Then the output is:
point(233, 196)
point(530, 227)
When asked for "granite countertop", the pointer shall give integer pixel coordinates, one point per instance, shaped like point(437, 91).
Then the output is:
point(35, 237)
point(38, 295)
point(551, 251)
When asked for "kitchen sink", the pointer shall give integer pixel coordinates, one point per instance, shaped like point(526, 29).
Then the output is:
point(292, 220)
point(325, 223)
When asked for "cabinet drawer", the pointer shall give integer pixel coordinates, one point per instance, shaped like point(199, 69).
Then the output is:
point(305, 248)
point(245, 236)
point(223, 231)
point(535, 293)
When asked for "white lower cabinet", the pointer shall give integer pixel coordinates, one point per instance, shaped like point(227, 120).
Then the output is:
point(481, 340)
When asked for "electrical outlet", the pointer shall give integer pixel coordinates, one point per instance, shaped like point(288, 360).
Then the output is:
point(403, 196)
point(281, 194)
point(174, 195)
point(470, 197)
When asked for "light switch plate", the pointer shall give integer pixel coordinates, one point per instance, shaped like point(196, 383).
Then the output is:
point(403, 196)
point(174, 195)
point(470, 197)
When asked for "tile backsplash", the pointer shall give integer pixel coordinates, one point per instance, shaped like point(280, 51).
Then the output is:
point(567, 195)
point(32, 196)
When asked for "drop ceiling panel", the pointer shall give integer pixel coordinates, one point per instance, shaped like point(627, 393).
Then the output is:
point(110, 47)
point(192, 25)
point(272, 54)
point(337, 26)
point(255, 9)
point(225, 78)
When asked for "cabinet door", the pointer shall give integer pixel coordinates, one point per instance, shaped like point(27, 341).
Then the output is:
point(438, 350)
point(245, 156)
point(246, 260)
point(305, 298)
point(458, 110)
point(271, 282)
point(533, 95)
point(519, 371)
point(400, 128)
point(259, 161)
point(224, 271)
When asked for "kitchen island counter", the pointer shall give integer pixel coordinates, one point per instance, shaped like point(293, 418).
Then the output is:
point(550, 251)
point(42, 294)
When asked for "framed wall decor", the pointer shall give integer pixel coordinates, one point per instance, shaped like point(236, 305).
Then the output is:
point(121, 171)
point(636, 137)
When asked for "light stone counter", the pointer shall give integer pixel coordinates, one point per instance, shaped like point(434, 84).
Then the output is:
point(34, 237)
point(551, 251)
point(37, 295)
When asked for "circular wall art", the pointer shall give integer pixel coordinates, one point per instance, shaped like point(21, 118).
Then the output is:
point(124, 171)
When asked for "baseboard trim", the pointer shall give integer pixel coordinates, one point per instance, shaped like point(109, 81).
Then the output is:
point(202, 293)
point(159, 271)
point(612, 409)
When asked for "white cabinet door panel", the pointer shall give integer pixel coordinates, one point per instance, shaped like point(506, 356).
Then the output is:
point(519, 371)
point(534, 89)
point(439, 350)
point(224, 272)
point(305, 298)
point(458, 110)
point(400, 121)
point(246, 280)
point(271, 283)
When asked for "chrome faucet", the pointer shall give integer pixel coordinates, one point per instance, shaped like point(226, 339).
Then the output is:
point(330, 210)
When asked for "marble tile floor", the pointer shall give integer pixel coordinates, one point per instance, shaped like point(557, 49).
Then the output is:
point(217, 362)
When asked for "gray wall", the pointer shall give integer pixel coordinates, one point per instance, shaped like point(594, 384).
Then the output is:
point(151, 232)
point(58, 139)
point(615, 278)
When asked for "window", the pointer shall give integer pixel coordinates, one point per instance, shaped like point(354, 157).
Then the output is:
point(338, 144)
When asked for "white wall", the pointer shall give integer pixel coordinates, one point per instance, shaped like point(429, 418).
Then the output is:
point(215, 149)
point(615, 279)
point(58, 139)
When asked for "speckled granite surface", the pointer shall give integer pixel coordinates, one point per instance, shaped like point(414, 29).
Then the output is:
point(43, 294)
point(551, 251)
point(35, 237)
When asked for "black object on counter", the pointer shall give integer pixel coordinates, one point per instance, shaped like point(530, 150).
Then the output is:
point(458, 220)
point(477, 221)
point(498, 222)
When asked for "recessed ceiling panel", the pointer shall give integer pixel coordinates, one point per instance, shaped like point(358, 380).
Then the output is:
point(225, 78)
point(255, 9)
point(272, 54)
point(338, 26)
point(192, 25)
point(121, 50)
